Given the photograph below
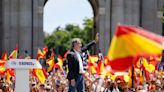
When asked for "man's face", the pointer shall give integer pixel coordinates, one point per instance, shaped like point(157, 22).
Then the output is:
point(78, 45)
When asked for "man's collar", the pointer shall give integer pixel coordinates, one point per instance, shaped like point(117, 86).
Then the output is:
point(75, 51)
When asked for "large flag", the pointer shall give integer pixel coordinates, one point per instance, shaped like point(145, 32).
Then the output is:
point(129, 42)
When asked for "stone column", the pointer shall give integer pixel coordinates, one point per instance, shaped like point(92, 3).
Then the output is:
point(22, 25)
point(150, 15)
point(117, 13)
point(1, 29)
point(131, 12)
point(101, 25)
point(7, 26)
point(38, 35)
point(108, 25)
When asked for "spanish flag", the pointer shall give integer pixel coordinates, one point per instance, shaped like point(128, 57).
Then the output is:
point(147, 66)
point(50, 62)
point(2, 70)
point(59, 64)
point(92, 61)
point(14, 53)
point(92, 64)
point(40, 75)
point(2, 62)
point(9, 74)
point(3, 59)
point(4, 56)
point(45, 50)
point(129, 42)
point(39, 54)
point(100, 68)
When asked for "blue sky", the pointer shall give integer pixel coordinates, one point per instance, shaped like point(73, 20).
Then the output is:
point(62, 12)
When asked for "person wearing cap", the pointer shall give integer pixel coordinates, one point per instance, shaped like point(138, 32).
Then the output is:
point(75, 64)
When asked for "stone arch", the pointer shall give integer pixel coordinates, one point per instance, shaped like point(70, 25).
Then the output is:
point(22, 20)
point(94, 6)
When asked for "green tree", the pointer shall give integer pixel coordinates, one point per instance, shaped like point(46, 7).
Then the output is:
point(60, 39)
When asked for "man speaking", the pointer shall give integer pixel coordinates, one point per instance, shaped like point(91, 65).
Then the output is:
point(75, 64)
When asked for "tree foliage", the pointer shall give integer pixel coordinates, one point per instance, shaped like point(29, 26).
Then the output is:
point(60, 39)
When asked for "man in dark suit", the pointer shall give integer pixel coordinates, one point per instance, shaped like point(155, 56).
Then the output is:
point(75, 64)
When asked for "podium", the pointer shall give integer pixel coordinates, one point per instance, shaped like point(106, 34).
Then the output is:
point(22, 67)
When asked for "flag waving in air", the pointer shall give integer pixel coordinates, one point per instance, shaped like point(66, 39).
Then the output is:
point(129, 42)
point(60, 63)
point(14, 53)
point(50, 61)
point(3, 58)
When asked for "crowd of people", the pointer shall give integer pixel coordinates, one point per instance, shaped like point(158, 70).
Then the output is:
point(75, 77)
point(57, 82)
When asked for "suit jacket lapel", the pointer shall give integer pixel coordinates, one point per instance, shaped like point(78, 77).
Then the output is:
point(76, 57)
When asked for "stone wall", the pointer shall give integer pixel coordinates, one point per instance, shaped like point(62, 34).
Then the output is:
point(22, 25)
point(1, 30)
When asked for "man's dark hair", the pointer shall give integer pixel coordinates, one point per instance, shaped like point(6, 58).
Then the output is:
point(74, 41)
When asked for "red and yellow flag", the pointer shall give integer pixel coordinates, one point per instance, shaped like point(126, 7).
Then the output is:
point(14, 53)
point(92, 64)
point(59, 64)
point(92, 61)
point(9, 73)
point(50, 62)
point(40, 75)
point(2, 63)
point(3, 59)
point(8, 76)
point(4, 56)
point(39, 54)
point(2, 70)
point(100, 68)
point(129, 42)
point(45, 50)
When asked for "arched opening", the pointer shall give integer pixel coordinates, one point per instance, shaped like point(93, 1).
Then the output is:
point(58, 14)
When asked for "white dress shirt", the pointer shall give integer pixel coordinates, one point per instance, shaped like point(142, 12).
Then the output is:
point(81, 69)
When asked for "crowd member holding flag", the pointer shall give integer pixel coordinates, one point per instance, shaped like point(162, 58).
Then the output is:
point(75, 64)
